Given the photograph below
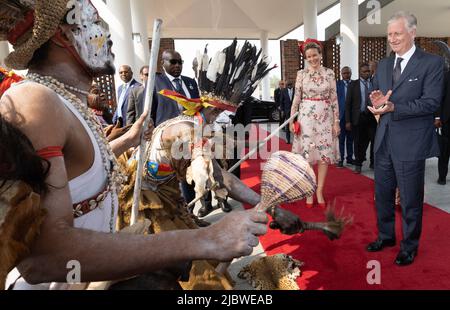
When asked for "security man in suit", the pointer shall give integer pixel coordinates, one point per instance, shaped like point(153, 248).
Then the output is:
point(443, 122)
point(164, 108)
point(126, 75)
point(358, 118)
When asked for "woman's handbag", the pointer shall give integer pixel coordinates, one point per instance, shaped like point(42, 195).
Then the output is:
point(297, 128)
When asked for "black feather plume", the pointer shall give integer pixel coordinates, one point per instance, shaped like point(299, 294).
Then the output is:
point(241, 74)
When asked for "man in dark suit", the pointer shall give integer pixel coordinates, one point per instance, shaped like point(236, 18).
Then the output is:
point(164, 108)
point(126, 75)
point(136, 98)
point(358, 118)
point(409, 88)
point(286, 99)
point(277, 97)
point(346, 137)
point(443, 122)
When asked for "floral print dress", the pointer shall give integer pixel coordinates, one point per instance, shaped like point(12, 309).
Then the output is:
point(316, 100)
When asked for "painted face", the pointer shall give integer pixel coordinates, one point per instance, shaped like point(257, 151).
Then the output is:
point(90, 37)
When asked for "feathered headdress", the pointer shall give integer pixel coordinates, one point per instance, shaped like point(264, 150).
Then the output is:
point(226, 80)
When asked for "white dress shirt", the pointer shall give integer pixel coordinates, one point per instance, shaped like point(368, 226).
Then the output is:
point(171, 78)
point(122, 98)
point(406, 57)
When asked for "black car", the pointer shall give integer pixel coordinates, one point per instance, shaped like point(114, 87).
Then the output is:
point(262, 109)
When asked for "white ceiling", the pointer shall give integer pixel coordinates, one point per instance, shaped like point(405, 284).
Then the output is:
point(226, 19)
point(433, 18)
point(246, 19)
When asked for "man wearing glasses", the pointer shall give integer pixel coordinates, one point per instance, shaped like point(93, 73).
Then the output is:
point(136, 98)
point(164, 108)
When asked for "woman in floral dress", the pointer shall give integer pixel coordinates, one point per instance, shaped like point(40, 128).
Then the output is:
point(316, 100)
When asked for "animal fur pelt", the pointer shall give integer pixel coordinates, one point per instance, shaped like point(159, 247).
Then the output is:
point(278, 272)
point(20, 219)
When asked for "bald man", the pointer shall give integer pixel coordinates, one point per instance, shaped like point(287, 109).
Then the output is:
point(126, 75)
point(164, 108)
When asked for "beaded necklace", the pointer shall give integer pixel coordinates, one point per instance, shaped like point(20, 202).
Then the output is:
point(114, 176)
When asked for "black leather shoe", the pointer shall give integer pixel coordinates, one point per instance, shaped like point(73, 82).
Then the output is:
point(358, 169)
point(371, 166)
point(340, 164)
point(442, 181)
point(378, 245)
point(224, 205)
point(405, 258)
point(205, 210)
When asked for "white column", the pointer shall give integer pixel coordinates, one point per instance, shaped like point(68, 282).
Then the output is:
point(139, 22)
point(310, 18)
point(265, 83)
point(350, 36)
point(117, 13)
point(4, 51)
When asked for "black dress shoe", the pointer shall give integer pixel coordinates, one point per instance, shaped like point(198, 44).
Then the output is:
point(371, 166)
point(442, 181)
point(358, 169)
point(224, 205)
point(205, 210)
point(405, 258)
point(378, 245)
point(340, 164)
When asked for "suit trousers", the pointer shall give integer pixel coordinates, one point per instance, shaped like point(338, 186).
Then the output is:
point(285, 116)
point(409, 177)
point(445, 151)
point(363, 134)
point(346, 142)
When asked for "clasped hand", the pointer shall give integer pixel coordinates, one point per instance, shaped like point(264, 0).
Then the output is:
point(380, 103)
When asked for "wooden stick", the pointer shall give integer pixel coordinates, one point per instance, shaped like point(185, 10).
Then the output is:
point(148, 107)
point(260, 145)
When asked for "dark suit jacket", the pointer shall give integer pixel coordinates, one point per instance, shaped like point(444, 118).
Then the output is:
point(285, 101)
point(444, 111)
point(133, 84)
point(353, 103)
point(416, 96)
point(340, 89)
point(164, 108)
point(277, 96)
point(136, 100)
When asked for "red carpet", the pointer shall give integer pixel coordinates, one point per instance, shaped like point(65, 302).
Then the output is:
point(342, 264)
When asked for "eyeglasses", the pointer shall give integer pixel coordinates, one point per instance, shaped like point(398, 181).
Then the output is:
point(176, 61)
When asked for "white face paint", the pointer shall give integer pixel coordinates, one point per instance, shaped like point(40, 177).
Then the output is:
point(89, 37)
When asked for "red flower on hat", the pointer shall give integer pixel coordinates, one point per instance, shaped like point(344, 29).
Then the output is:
point(308, 41)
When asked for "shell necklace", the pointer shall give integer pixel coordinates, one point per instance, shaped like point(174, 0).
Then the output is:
point(114, 176)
